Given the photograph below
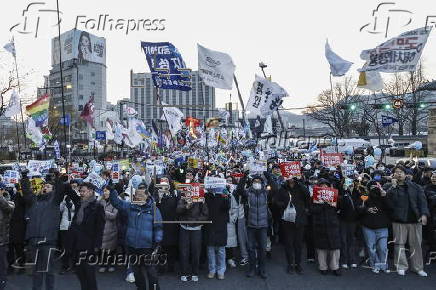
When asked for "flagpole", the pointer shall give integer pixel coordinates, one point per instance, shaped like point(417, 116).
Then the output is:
point(239, 96)
point(62, 82)
point(21, 108)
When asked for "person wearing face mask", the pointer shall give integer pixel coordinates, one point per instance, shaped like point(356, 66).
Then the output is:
point(232, 241)
point(408, 204)
point(166, 201)
point(256, 196)
point(110, 232)
point(374, 219)
point(192, 216)
point(144, 233)
point(294, 195)
point(274, 180)
point(86, 233)
point(43, 219)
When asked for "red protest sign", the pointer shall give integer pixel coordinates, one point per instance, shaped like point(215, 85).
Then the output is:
point(193, 191)
point(290, 168)
point(331, 159)
point(325, 194)
point(237, 174)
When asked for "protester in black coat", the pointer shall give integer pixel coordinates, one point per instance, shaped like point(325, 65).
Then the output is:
point(296, 195)
point(17, 231)
point(326, 234)
point(87, 234)
point(166, 201)
point(43, 219)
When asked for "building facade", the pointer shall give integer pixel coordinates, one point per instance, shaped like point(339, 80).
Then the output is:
point(198, 102)
point(84, 75)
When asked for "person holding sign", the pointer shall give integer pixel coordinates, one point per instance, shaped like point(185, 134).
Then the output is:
point(218, 203)
point(293, 201)
point(144, 233)
point(192, 213)
point(375, 221)
point(326, 227)
point(43, 226)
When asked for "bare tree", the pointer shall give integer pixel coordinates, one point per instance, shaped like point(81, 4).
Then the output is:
point(332, 108)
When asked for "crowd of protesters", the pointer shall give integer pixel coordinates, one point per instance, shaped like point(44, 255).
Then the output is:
point(150, 224)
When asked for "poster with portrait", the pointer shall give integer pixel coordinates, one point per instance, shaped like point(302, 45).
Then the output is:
point(80, 45)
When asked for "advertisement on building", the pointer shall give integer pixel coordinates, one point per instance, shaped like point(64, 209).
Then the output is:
point(80, 45)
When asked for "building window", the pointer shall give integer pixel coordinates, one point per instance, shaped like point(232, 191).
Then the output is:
point(80, 97)
point(80, 107)
point(80, 77)
point(92, 83)
point(93, 74)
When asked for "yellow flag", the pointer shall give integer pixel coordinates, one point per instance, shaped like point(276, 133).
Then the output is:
point(362, 79)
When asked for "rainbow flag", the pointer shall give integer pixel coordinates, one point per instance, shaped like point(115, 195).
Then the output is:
point(38, 110)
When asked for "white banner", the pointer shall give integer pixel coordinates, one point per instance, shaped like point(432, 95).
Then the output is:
point(257, 166)
point(265, 98)
point(40, 167)
point(215, 68)
point(174, 118)
point(95, 180)
point(214, 182)
point(398, 54)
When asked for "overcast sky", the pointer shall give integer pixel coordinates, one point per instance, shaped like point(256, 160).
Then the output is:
point(289, 36)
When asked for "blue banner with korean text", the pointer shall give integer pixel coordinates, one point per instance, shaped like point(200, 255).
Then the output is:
point(167, 66)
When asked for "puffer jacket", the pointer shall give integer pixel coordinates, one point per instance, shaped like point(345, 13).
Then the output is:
point(257, 212)
point(6, 208)
point(417, 201)
point(110, 232)
point(144, 222)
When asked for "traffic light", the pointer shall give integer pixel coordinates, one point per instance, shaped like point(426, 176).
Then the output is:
point(422, 105)
point(387, 107)
point(353, 107)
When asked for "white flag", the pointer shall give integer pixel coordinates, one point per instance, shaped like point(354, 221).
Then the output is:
point(215, 68)
point(131, 112)
point(398, 54)
point(224, 114)
point(34, 133)
point(118, 133)
point(174, 117)
point(10, 47)
point(109, 131)
point(14, 106)
point(134, 139)
point(338, 65)
point(265, 98)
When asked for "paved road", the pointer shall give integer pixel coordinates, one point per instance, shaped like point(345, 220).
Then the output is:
point(235, 279)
